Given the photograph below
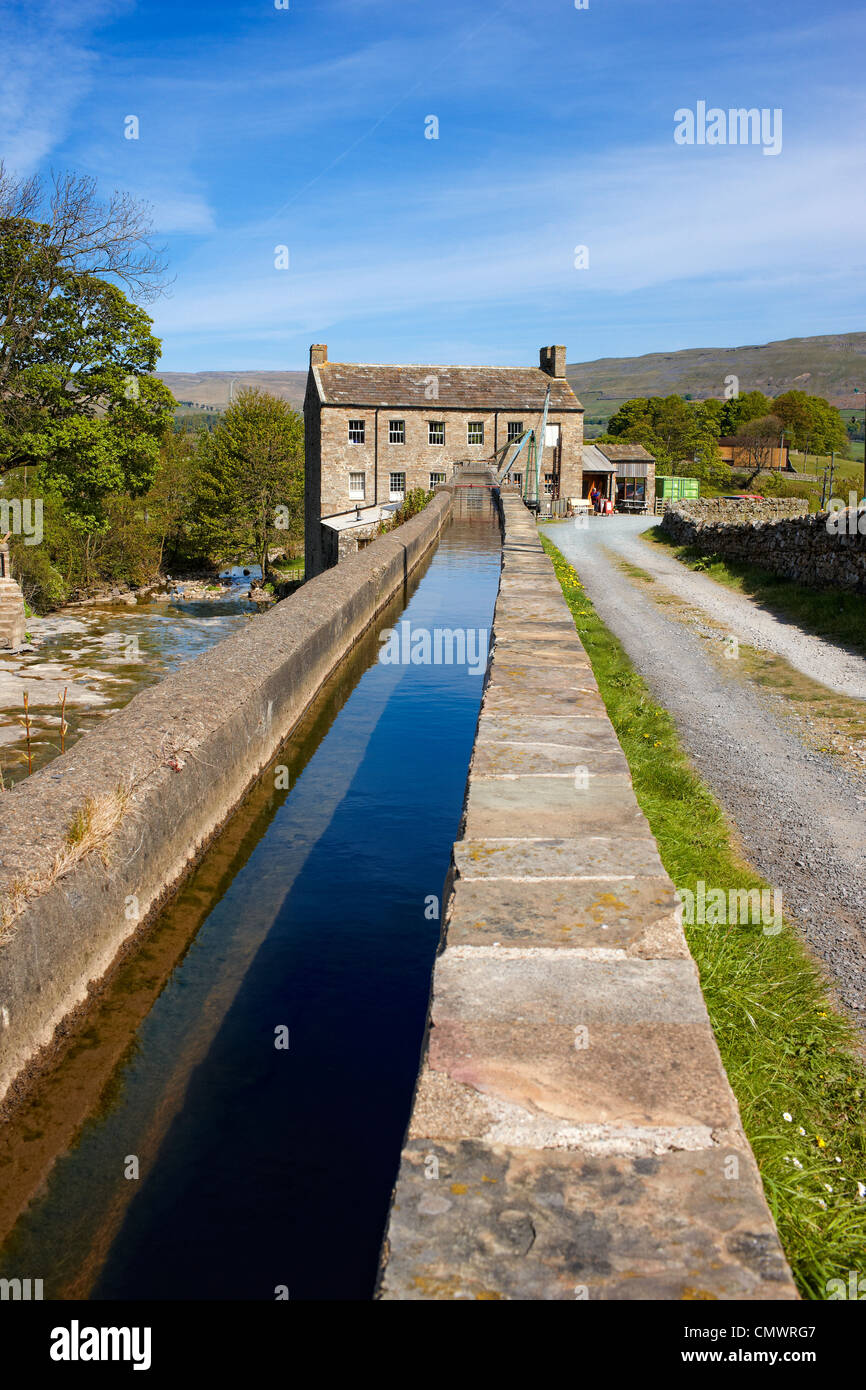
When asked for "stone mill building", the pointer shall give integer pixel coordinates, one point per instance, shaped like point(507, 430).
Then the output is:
point(373, 433)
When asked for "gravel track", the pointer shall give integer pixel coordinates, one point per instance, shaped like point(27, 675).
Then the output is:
point(801, 818)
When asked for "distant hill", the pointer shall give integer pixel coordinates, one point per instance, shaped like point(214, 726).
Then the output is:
point(830, 365)
point(212, 388)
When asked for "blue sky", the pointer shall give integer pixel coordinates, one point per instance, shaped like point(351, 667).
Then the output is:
point(305, 127)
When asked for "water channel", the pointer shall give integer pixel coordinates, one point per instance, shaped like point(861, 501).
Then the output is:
point(175, 1151)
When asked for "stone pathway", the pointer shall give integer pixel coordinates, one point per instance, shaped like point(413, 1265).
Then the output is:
point(574, 1135)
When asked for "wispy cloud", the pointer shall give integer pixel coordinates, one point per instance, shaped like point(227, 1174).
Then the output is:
point(650, 217)
point(306, 128)
point(48, 65)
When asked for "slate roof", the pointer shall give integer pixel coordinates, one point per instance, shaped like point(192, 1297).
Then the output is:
point(481, 388)
point(625, 453)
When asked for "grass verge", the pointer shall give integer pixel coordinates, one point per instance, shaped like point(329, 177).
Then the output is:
point(789, 1055)
point(831, 613)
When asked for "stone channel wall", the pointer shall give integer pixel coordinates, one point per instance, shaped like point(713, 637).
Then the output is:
point(573, 1133)
point(183, 752)
point(777, 535)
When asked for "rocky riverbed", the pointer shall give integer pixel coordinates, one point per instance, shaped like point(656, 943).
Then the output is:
point(100, 653)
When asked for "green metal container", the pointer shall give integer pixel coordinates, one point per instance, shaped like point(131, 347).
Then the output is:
point(675, 488)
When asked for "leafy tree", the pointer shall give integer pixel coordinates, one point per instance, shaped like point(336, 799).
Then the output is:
point(250, 480)
point(681, 435)
point(80, 397)
point(812, 424)
point(752, 405)
point(78, 401)
point(170, 505)
point(710, 414)
point(632, 415)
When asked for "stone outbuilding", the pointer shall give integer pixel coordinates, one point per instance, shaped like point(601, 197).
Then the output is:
point(634, 475)
point(374, 433)
point(12, 613)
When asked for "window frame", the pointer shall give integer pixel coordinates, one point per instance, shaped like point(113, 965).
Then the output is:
point(354, 494)
point(402, 425)
point(359, 426)
point(396, 494)
point(435, 425)
point(478, 427)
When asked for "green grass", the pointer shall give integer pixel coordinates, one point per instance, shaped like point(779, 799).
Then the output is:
point(785, 1048)
point(832, 613)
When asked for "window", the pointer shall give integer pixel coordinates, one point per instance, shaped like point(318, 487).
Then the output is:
point(396, 431)
point(516, 479)
point(356, 431)
point(515, 430)
point(475, 432)
point(357, 484)
point(435, 431)
point(548, 483)
point(631, 489)
point(397, 487)
point(436, 478)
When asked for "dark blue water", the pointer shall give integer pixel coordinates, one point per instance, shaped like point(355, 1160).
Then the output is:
point(260, 1166)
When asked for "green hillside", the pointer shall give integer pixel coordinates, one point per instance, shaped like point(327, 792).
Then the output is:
point(830, 365)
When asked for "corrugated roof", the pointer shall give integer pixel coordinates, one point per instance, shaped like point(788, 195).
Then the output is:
point(622, 453)
point(481, 388)
point(594, 461)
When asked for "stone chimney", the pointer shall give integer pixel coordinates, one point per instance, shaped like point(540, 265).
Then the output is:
point(319, 354)
point(552, 360)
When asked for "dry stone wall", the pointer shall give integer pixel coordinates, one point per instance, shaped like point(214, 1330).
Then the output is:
point(828, 549)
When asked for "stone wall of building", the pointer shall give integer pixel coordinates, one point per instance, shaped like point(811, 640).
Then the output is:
point(12, 615)
point(313, 558)
point(779, 536)
point(377, 458)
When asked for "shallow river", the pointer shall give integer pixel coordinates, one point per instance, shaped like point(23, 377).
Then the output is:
point(101, 656)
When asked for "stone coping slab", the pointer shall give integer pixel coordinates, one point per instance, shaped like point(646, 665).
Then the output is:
point(506, 759)
point(501, 1222)
point(536, 804)
point(579, 730)
point(626, 915)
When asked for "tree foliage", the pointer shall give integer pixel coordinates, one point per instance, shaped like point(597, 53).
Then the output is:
point(681, 435)
point(250, 482)
point(77, 394)
point(811, 423)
